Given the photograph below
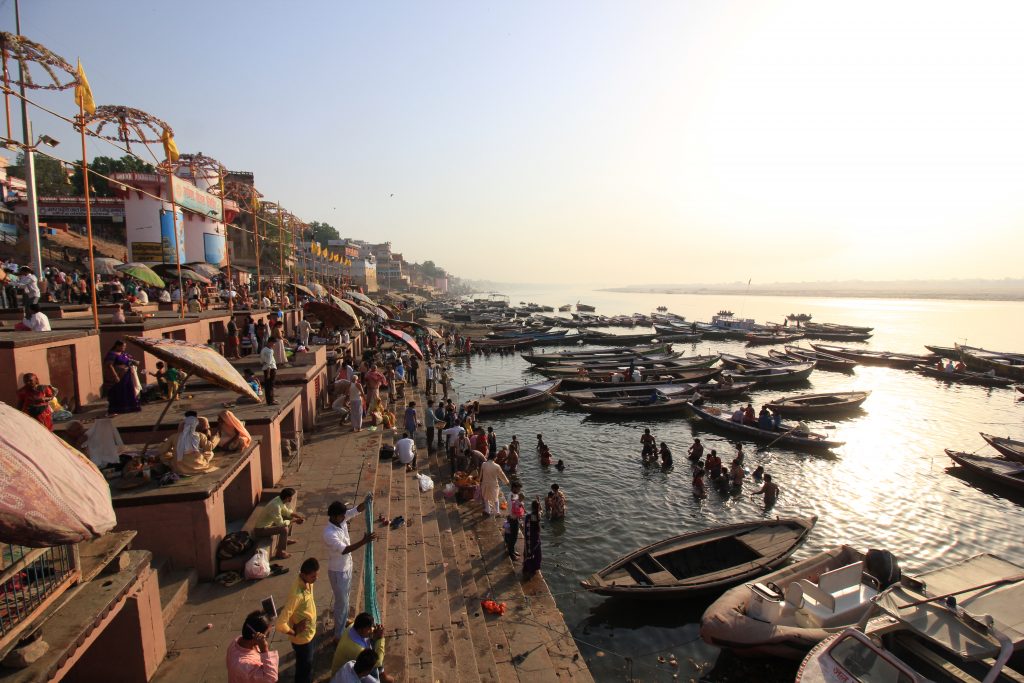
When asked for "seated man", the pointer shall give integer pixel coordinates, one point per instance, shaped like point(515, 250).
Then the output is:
point(276, 520)
point(362, 636)
point(359, 670)
point(406, 450)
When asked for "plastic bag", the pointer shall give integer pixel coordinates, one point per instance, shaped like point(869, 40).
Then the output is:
point(258, 566)
point(426, 483)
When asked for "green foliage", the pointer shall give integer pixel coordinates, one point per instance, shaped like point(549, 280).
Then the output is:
point(431, 270)
point(320, 232)
point(51, 177)
point(107, 166)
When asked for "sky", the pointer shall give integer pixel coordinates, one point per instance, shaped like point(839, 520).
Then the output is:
point(611, 143)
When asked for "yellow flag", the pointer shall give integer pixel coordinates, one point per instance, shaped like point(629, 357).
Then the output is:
point(170, 149)
point(83, 93)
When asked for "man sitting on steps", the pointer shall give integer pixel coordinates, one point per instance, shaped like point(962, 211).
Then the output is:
point(277, 519)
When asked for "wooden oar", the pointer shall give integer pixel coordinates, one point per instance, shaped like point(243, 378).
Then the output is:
point(1009, 579)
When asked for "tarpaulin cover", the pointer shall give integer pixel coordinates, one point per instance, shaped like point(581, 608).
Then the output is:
point(50, 494)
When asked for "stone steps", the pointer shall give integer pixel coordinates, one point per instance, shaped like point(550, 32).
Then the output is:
point(175, 585)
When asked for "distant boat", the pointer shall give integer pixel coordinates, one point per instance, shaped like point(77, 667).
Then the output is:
point(798, 317)
point(818, 405)
point(1005, 364)
point(1005, 472)
point(662, 309)
point(964, 376)
point(585, 307)
point(886, 358)
point(565, 309)
point(1011, 450)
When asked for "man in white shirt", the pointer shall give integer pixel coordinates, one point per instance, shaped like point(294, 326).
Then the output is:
point(269, 373)
point(164, 296)
point(142, 295)
point(29, 288)
point(265, 302)
point(359, 670)
point(406, 450)
point(339, 556)
point(37, 320)
point(304, 329)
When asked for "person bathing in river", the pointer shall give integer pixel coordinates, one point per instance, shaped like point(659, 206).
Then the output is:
point(770, 490)
point(666, 456)
point(647, 441)
point(560, 466)
point(696, 451)
point(714, 464)
point(540, 443)
point(699, 488)
point(759, 473)
point(545, 457)
point(736, 473)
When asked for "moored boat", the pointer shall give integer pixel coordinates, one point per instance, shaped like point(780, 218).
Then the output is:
point(623, 392)
point(768, 338)
point(618, 353)
point(787, 435)
point(886, 358)
point(964, 376)
point(653, 404)
point(702, 561)
point(1009, 448)
point(519, 397)
point(585, 307)
point(1005, 364)
point(776, 375)
point(657, 377)
point(825, 361)
point(819, 405)
point(785, 613)
point(999, 470)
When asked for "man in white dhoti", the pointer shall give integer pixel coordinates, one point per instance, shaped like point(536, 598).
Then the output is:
point(490, 475)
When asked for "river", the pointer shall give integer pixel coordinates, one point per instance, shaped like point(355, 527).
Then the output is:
point(887, 487)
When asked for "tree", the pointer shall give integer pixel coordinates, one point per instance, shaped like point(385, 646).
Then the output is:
point(320, 232)
point(107, 166)
point(431, 270)
point(51, 176)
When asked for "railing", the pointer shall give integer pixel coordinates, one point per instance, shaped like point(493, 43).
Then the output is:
point(31, 579)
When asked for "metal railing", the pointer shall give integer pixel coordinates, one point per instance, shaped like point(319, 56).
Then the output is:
point(31, 579)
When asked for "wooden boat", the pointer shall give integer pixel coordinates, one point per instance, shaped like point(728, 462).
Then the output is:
point(734, 362)
point(702, 561)
point(825, 361)
point(658, 377)
point(773, 376)
point(599, 338)
point(614, 362)
point(520, 397)
point(838, 327)
point(1005, 364)
point(964, 376)
point(565, 309)
point(654, 404)
point(787, 435)
point(617, 353)
point(585, 307)
point(834, 335)
point(768, 338)
point(819, 405)
point(622, 392)
point(680, 337)
point(773, 618)
point(646, 367)
point(913, 634)
point(944, 351)
point(717, 390)
point(1005, 472)
point(1010, 449)
point(886, 358)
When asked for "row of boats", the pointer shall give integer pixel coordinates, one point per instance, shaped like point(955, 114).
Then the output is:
point(850, 615)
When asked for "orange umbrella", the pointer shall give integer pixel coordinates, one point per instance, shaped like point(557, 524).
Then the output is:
point(50, 494)
point(197, 359)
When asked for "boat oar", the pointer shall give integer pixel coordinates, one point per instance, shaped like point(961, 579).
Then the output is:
point(1008, 579)
point(787, 433)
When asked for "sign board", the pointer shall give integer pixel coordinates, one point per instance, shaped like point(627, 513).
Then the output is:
point(148, 252)
point(192, 198)
point(167, 237)
point(79, 211)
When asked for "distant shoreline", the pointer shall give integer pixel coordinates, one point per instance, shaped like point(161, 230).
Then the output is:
point(818, 294)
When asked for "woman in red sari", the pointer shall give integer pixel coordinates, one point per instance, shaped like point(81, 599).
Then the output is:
point(34, 398)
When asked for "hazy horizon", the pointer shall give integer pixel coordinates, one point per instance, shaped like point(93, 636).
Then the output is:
point(692, 141)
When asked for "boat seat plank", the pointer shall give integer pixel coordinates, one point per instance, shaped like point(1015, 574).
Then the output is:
point(934, 659)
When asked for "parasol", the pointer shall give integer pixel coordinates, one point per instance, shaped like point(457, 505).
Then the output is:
point(318, 288)
point(337, 316)
point(171, 270)
point(205, 269)
point(192, 275)
point(106, 266)
point(140, 271)
point(196, 359)
point(237, 269)
point(417, 326)
point(50, 493)
point(304, 289)
point(360, 297)
point(403, 337)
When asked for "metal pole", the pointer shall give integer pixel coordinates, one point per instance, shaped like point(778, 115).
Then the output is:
point(227, 238)
point(88, 216)
point(256, 244)
point(280, 248)
point(177, 248)
point(30, 166)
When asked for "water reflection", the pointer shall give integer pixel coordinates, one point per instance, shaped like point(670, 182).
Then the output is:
point(887, 487)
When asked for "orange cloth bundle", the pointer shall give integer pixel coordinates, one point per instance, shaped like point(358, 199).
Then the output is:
point(492, 607)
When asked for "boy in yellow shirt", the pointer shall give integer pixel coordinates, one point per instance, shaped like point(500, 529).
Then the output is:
point(298, 619)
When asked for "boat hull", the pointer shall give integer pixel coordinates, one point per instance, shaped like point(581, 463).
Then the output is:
point(716, 419)
point(806, 406)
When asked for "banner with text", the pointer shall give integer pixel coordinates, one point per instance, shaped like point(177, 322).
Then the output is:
point(192, 198)
point(167, 236)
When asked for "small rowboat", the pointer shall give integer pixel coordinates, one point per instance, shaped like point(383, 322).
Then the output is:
point(772, 376)
point(786, 435)
point(825, 361)
point(520, 397)
point(1010, 449)
point(623, 392)
point(656, 377)
point(702, 561)
point(944, 351)
point(763, 339)
point(998, 470)
point(964, 376)
point(886, 358)
point(725, 390)
point(618, 353)
point(1005, 364)
point(819, 405)
point(642, 406)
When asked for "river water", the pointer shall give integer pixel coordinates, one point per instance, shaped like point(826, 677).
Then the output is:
point(888, 487)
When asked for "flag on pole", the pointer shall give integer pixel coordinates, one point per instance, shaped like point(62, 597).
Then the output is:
point(83, 93)
point(170, 148)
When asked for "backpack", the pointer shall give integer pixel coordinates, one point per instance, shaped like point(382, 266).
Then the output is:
point(234, 544)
